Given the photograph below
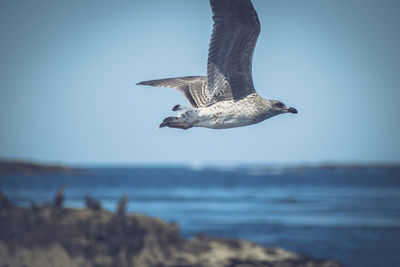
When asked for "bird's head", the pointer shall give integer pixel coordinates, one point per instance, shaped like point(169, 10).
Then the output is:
point(279, 108)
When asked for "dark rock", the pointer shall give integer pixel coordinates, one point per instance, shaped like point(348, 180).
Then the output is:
point(59, 199)
point(122, 206)
point(92, 204)
point(4, 203)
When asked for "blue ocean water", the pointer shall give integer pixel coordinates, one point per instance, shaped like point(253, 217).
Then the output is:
point(347, 214)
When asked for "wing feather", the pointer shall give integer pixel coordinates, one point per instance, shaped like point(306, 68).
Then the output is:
point(194, 88)
point(235, 32)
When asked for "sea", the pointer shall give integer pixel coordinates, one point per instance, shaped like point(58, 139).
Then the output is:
point(350, 214)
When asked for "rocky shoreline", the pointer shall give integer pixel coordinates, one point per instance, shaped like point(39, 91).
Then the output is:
point(52, 235)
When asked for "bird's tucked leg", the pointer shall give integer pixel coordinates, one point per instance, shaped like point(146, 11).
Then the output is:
point(186, 118)
point(177, 122)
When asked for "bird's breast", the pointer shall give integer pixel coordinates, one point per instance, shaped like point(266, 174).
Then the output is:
point(229, 114)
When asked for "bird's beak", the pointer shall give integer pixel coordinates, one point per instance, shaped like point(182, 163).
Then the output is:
point(292, 110)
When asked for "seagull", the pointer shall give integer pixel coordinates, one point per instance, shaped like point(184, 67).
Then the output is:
point(226, 97)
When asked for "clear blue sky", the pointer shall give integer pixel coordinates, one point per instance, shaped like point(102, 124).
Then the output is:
point(68, 71)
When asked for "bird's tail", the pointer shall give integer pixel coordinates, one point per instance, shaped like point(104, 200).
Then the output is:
point(187, 118)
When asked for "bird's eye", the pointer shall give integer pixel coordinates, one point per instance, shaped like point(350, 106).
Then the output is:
point(279, 105)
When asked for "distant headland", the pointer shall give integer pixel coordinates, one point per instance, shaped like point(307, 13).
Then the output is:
point(29, 167)
point(25, 167)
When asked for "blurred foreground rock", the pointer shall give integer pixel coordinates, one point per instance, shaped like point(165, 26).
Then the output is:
point(55, 236)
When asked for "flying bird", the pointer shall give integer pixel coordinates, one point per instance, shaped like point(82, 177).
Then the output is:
point(226, 97)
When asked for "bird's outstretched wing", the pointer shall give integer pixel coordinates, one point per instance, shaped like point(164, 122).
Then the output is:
point(194, 88)
point(234, 36)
